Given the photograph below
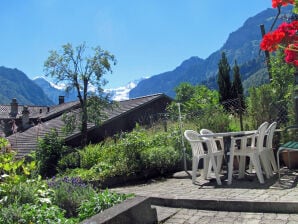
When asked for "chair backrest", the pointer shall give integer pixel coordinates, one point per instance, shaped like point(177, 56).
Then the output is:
point(264, 124)
point(254, 139)
point(214, 146)
point(261, 136)
point(195, 142)
point(269, 134)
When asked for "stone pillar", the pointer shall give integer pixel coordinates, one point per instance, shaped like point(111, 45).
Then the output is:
point(25, 117)
point(13, 108)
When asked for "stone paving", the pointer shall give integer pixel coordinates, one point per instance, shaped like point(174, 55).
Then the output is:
point(177, 200)
point(194, 216)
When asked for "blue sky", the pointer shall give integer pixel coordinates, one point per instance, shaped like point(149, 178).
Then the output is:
point(147, 37)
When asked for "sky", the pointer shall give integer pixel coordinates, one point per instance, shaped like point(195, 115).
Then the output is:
point(147, 37)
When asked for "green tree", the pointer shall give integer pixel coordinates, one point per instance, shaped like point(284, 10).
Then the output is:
point(79, 68)
point(193, 99)
point(184, 92)
point(274, 100)
point(237, 88)
point(223, 79)
point(49, 151)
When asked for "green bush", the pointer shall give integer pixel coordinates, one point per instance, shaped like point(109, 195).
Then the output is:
point(69, 193)
point(11, 213)
point(126, 156)
point(69, 161)
point(99, 202)
point(214, 118)
point(161, 158)
point(22, 193)
point(33, 213)
point(89, 156)
point(49, 151)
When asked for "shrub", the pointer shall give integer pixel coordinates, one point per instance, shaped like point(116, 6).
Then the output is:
point(33, 213)
point(160, 158)
point(43, 214)
point(99, 202)
point(11, 214)
point(49, 151)
point(69, 193)
point(69, 161)
point(22, 193)
point(214, 118)
point(89, 156)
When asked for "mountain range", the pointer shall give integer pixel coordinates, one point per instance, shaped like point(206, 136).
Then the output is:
point(15, 84)
point(242, 45)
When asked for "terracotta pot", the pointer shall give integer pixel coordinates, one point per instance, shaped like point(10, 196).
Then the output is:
point(290, 159)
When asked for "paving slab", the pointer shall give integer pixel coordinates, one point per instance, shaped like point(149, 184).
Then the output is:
point(275, 200)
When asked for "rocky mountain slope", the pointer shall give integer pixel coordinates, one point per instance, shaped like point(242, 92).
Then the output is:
point(15, 84)
point(242, 45)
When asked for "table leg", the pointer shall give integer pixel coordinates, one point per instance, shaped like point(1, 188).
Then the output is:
point(278, 165)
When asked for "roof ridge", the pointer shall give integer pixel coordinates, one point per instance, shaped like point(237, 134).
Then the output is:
point(141, 97)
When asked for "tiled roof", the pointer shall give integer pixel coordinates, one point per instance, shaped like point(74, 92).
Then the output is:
point(34, 111)
point(129, 105)
point(42, 112)
point(26, 141)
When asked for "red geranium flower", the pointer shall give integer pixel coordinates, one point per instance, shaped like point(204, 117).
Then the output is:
point(276, 3)
point(291, 54)
point(271, 40)
point(285, 34)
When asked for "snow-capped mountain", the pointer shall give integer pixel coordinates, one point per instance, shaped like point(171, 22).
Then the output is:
point(122, 93)
point(53, 91)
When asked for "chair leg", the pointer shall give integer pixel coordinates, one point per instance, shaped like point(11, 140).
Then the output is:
point(242, 165)
point(209, 170)
point(272, 160)
point(265, 164)
point(278, 165)
point(269, 163)
point(250, 166)
point(230, 169)
point(257, 164)
point(206, 165)
point(194, 169)
point(219, 163)
point(215, 170)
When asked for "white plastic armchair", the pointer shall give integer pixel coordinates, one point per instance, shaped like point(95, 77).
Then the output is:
point(254, 152)
point(198, 153)
point(219, 153)
point(269, 146)
point(218, 140)
point(263, 153)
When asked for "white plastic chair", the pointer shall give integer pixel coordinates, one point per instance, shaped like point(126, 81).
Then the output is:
point(254, 152)
point(263, 152)
point(269, 147)
point(215, 141)
point(198, 153)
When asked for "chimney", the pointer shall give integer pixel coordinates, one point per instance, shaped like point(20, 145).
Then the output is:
point(61, 99)
point(25, 117)
point(13, 108)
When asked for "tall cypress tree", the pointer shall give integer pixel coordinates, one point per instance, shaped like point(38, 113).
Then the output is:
point(237, 88)
point(223, 79)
